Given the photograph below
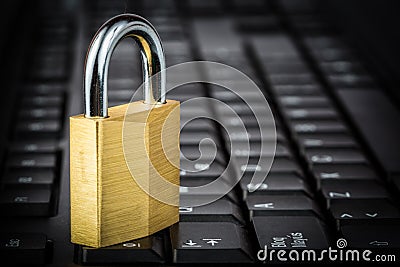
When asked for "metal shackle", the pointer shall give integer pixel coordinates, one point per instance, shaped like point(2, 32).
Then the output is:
point(98, 59)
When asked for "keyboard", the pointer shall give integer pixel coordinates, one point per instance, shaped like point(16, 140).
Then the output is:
point(335, 174)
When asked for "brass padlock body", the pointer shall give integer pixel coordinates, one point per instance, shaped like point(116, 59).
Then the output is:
point(107, 204)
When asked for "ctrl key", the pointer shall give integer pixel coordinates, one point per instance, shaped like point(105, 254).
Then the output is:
point(20, 248)
point(209, 242)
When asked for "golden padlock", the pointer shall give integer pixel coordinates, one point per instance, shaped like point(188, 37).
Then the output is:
point(108, 205)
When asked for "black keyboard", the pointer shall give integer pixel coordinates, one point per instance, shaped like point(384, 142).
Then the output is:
point(336, 170)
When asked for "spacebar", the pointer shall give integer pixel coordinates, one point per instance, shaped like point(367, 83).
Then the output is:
point(378, 121)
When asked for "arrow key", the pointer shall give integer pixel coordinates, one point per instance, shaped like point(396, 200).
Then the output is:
point(209, 242)
point(367, 236)
point(368, 211)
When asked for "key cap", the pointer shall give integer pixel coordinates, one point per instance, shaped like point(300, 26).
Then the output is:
point(278, 165)
point(304, 101)
point(326, 140)
point(365, 211)
point(332, 54)
point(23, 248)
point(372, 236)
point(42, 101)
point(351, 80)
point(223, 187)
point(221, 210)
point(290, 232)
point(253, 134)
point(302, 78)
point(194, 138)
point(343, 172)
point(32, 161)
point(144, 250)
point(29, 178)
point(310, 113)
point(40, 113)
point(342, 67)
point(39, 127)
point(297, 89)
point(331, 155)
point(201, 168)
point(367, 189)
point(280, 205)
point(47, 145)
point(209, 243)
point(247, 121)
point(253, 149)
point(313, 126)
point(275, 183)
point(208, 152)
point(198, 125)
point(25, 202)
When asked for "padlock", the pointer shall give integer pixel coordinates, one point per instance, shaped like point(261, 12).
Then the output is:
point(108, 204)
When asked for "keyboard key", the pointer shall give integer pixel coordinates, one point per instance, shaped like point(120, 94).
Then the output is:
point(25, 202)
point(326, 140)
point(39, 127)
point(47, 145)
point(194, 138)
point(373, 236)
point(297, 89)
point(221, 210)
point(343, 172)
point(40, 113)
point(200, 168)
point(310, 113)
point(366, 211)
point(349, 189)
point(144, 250)
point(253, 149)
point(280, 205)
point(210, 242)
point(275, 183)
point(313, 126)
point(304, 101)
point(278, 165)
point(32, 161)
point(342, 67)
point(43, 101)
point(290, 232)
point(23, 248)
point(29, 178)
point(332, 156)
point(351, 80)
point(208, 152)
point(302, 78)
point(194, 190)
